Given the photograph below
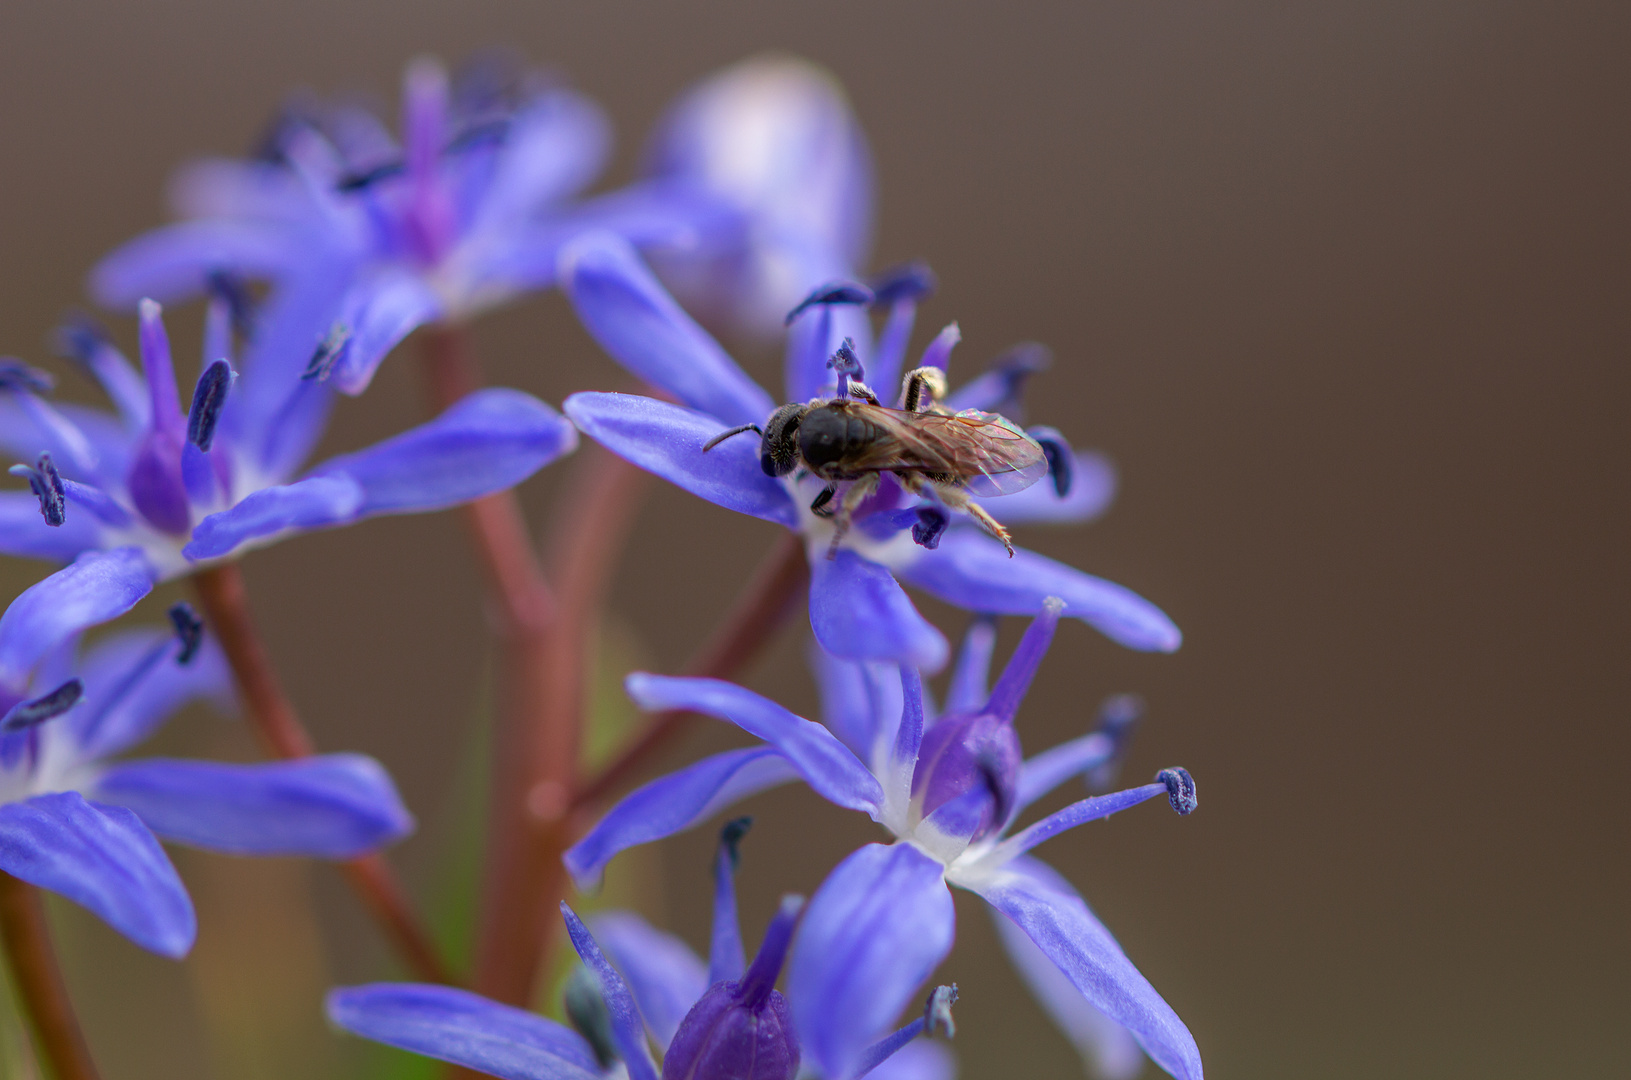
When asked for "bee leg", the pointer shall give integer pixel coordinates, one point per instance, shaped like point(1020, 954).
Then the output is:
point(819, 506)
point(864, 392)
point(923, 388)
point(858, 491)
point(959, 499)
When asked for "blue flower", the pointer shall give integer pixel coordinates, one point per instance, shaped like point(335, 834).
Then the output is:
point(856, 606)
point(464, 210)
point(188, 489)
point(717, 1020)
point(77, 823)
point(949, 792)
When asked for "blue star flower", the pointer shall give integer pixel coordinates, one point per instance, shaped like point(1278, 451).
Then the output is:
point(462, 211)
point(948, 791)
point(856, 606)
point(187, 489)
point(80, 824)
point(721, 1019)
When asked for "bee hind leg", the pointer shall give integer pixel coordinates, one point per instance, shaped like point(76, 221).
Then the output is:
point(959, 499)
point(858, 491)
point(819, 506)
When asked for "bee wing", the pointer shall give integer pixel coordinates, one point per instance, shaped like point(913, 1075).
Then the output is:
point(988, 453)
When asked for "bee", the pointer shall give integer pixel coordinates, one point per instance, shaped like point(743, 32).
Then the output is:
point(853, 438)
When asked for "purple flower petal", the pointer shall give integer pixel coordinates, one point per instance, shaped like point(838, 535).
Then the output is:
point(335, 806)
point(1108, 1050)
point(24, 533)
point(664, 975)
point(553, 146)
point(314, 503)
point(465, 1029)
point(675, 803)
point(1092, 489)
point(667, 440)
point(871, 937)
point(974, 572)
point(173, 263)
point(860, 702)
point(380, 311)
point(858, 612)
point(639, 324)
point(1055, 918)
point(628, 1030)
point(825, 763)
point(94, 588)
point(104, 859)
point(133, 684)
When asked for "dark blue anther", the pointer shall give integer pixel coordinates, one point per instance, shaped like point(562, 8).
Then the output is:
point(931, 524)
point(845, 362)
point(586, 1009)
point(78, 338)
point(189, 628)
point(367, 178)
point(330, 351)
point(937, 1013)
point(272, 147)
point(208, 397)
point(730, 837)
point(46, 484)
point(18, 376)
point(233, 291)
point(1061, 461)
point(30, 713)
point(487, 133)
point(834, 292)
point(908, 281)
point(1180, 789)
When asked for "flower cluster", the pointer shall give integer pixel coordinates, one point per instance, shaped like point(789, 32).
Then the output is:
point(319, 255)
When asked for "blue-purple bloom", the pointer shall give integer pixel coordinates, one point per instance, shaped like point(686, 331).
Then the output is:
point(185, 489)
point(721, 1019)
point(78, 823)
point(377, 233)
point(949, 790)
point(857, 608)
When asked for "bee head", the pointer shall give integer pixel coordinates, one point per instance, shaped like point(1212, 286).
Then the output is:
point(779, 446)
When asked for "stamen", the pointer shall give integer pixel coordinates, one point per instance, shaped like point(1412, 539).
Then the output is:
point(999, 387)
point(730, 839)
point(936, 1018)
point(208, 397)
point(1180, 789)
point(937, 1012)
point(1061, 462)
point(932, 522)
point(760, 980)
point(232, 292)
point(725, 959)
point(835, 292)
point(367, 178)
point(938, 354)
point(19, 377)
point(46, 483)
point(1016, 677)
point(330, 351)
point(158, 367)
point(82, 341)
point(1119, 714)
point(28, 714)
point(911, 281)
point(189, 628)
point(847, 365)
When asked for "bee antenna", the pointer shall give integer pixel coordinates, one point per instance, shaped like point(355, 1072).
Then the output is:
point(729, 433)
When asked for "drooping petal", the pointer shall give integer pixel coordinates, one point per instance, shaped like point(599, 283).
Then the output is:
point(133, 684)
point(628, 1030)
point(463, 1028)
point(488, 441)
point(1108, 1050)
point(872, 935)
point(334, 806)
point(96, 587)
point(639, 324)
point(859, 612)
point(268, 514)
point(1056, 919)
point(667, 440)
point(675, 803)
point(380, 311)
point(1092, 489)
point(24, 533)
point(173, 263)
point(974, 572)
point(825, 763)
point(664, 975)
point(104, 859)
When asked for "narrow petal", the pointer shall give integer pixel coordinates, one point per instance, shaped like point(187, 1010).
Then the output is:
point(335, 806)
point(465, 1029)
point(860, 702)
point(268, 514)
point(971, 678)
point(104, 859)
point(1060, 924)
point(1108, 1050)
point(858, 612)
point(96, 587)
point(133, 684)
point(664, 975)
point(24, 533)
point(380, 311)
point(489, 441)
point(675, 803)
point(628, 1030)
point(974, 572)
point(1092, 489)
point(667, 440)
point(824, 762)
point(173, 263)
point(553, 147)
point(639, 324)
point(872, 935)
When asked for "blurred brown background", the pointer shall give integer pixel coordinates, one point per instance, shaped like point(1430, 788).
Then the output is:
point(1343, 288)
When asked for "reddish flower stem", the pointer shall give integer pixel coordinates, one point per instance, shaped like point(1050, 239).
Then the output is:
point(226, 605)
point(34, 971)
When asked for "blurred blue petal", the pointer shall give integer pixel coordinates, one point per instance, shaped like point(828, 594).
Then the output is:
point(825, 763)
point(674, 803)
point(664, 975)
point(859, 612)
point(104, 859)
point(465, 1029)
point(313, 503)
point(24, 533)
point(973, 571)
point(639, 324)
point(133, 684)
point(335, 806)
point(1060, 924)
point(1045, 771)
point(380, 310)
point(871, 937)
point(1092, 489)
point(96, 587)
point(920, 1059)
point(667, 440)
point(173, 263)
point(554, 146)
point(860, 702)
